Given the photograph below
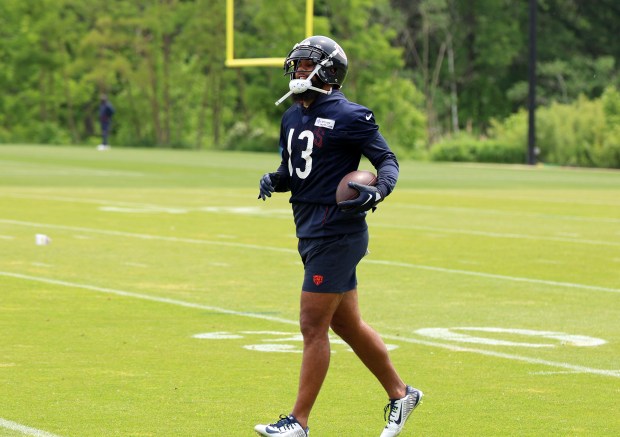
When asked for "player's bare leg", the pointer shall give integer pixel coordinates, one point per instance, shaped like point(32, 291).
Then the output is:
point(316, 314)
point(367, 344)
point(370, 348)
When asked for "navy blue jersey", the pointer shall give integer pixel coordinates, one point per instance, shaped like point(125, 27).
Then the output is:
point(320, 145)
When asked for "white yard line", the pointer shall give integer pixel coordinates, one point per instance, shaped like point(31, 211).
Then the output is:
point(146, 297)
point(512, 214)
point(506, 196)
point(494, 276)
point(21, 168)
point(145, 207)
point(286, 250)
point(469, 210)
point(452, 347)
point(26, 430)
point(501, 235)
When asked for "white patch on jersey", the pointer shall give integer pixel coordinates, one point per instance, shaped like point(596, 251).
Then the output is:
point(325, 122)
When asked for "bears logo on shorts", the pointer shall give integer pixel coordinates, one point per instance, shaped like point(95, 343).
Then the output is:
point(317, 279)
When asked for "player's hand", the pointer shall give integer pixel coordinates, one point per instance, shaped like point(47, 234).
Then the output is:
point(368, 199)
point(266, 185)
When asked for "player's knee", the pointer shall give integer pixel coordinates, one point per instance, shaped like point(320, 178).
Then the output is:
point(313, 332)
point(344, 329)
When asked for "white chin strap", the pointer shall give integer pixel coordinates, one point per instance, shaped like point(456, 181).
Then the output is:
point(298, 86)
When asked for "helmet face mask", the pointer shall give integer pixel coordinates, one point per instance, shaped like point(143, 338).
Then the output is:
point(321, 50)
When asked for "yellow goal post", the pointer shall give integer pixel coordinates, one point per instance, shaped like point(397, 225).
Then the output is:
point(231, 61)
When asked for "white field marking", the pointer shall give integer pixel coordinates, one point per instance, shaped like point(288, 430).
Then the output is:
point(82, 200)
point(267, 346)
point(19, 168)
point(6, 237)
point(218, 264)
point(501, 234)
point(148, 236)
point(611, 373)
point(242, 210)
point(37, 264)
point(289, 348)
point(266, 332)
point(217, 336)
point(512, 196)
point(285, 250)
point(455, 348)
point(26, 430)
point(132, 264)
point(146, 297)
point(141, 208)
point(447, 193)
point(479, 211)
point(561, 337)
point(495, 276)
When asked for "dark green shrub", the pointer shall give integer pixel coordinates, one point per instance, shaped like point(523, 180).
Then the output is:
point(465, 148)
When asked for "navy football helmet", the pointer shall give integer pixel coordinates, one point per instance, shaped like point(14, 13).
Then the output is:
point(323, 51)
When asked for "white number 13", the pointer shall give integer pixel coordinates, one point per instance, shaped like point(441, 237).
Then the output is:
point(305, 154)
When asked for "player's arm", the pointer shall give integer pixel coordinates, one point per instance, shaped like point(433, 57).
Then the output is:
point(277, 181)
point(280, 179)
point(384, 161)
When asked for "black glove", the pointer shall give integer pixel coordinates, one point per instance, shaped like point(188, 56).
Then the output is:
point(368, 199)
point(267, 185)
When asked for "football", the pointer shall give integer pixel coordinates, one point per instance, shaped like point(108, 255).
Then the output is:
point(363, 177)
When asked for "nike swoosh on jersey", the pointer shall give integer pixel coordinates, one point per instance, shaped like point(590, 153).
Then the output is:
point(368, 116)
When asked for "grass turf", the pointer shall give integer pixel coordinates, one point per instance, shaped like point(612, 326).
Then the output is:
point(152, 247)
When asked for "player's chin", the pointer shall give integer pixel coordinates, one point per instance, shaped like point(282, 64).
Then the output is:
point(306, 96)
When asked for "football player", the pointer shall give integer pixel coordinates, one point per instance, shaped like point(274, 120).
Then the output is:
point(323, 137)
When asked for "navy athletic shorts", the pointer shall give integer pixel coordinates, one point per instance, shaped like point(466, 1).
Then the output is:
point(330, 262)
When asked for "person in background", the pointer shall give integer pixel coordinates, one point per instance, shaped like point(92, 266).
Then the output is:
point(106, 112)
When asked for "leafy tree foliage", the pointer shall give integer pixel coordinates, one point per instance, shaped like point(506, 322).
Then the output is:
point(427, 68)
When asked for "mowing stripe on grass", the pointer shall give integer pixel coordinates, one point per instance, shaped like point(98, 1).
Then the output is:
point(26, 430)
point(142, 207)
point(579, 369)
point(285, 250)
point(147, 297)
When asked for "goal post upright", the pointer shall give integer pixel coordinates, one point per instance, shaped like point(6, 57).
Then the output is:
point(231, 61)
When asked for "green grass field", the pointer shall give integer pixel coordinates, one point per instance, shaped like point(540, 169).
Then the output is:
point(167, 301)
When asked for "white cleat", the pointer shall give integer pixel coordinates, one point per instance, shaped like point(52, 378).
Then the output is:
point(397, 411)
point(287, 426)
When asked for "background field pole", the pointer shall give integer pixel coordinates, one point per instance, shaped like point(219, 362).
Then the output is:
point(531, 134)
